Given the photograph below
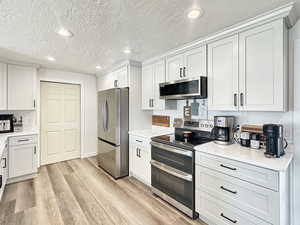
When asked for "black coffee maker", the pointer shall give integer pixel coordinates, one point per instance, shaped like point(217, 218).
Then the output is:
point(274, 140)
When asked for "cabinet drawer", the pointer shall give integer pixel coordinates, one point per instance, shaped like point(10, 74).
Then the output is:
point(23, 140)
point(221, 213)
point(256, 200)
point(139, 141)
point(256, 175)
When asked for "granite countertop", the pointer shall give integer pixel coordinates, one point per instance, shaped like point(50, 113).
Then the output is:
point(247, 155)
point(149, 133)
point(5, 136)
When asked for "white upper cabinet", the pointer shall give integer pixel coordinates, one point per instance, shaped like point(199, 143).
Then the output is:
point(189, 64)
point(3, 86)
point(174, 67)
point(147, 87)
point(152, 75)
point(21, 86)
point(247, 72)
point(262, 74)
point(223, 74)
point(195, 63)
point(115, 79)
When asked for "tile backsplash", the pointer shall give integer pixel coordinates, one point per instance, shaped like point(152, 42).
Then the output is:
point(255, 118)
point(29, 118)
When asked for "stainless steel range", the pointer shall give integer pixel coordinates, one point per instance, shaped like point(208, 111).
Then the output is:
point(173, 165)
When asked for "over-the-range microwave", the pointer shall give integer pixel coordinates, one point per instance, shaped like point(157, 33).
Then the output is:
point(183, 89)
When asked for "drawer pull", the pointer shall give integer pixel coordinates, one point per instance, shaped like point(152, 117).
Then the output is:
point(23, 140)
point(5, 163)
point(227, 167)
point(138, 141)
point(225, 189)
point(227, 218)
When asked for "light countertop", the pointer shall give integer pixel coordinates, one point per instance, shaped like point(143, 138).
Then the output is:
point(149, 133)
point(5, 136)
point(248, 155)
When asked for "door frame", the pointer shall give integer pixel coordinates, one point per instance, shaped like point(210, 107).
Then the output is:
point(82, 125)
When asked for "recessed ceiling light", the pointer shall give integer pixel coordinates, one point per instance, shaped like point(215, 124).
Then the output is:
point(127, 51)
point(98, 67)
point(194, 13)
point(64, 32)
point(50, 58)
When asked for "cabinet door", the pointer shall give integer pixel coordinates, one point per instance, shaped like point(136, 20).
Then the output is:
point(121, 78)
point(262, 68)
point(4, 165)
point(22, 160)
point(3, 86)
point(195, 63)
point(147, 87)
point(223, 74)
point(21, 87)
point(159, 77)
point(174, 67)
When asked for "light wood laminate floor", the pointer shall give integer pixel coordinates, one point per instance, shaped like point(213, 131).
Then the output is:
point(78, 192)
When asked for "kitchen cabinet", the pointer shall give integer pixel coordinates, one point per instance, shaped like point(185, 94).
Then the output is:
point(189, 64)
point(262, 75)
point(247, 71)
point(3, 169)
point(3, 86)
point(236, 191)
point(115, 79)
point(223, 74)
point(22, 156)
point(140, 156)
point(152, 75)
point(21, 86)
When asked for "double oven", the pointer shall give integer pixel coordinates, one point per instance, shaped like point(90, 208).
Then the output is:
point(173, 176)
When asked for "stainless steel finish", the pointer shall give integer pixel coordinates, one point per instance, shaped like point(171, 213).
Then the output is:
point(181, 96)
point(280, 141)
point(172, 171)
point(222, 142)
point(172, 149)
point(224, 121)
point(173, 202)
point(242, 99)
point(23, 140)
point(113, 127)
point(184, 70)
point(235, 99)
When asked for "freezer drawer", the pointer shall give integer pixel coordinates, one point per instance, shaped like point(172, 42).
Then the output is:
point(113, 159)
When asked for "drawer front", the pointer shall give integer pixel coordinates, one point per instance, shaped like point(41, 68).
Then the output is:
point(23, 140)
point(221, 213)
point(256, 200)
point(139, 141)
point(256, 175)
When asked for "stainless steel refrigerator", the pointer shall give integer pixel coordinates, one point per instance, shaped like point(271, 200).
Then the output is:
point(113, 123)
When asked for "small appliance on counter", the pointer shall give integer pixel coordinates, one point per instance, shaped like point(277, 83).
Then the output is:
point(245, 139)
point(6, 123)
point(274, 140)
point(223, 131)
point(173, 164)
point(255, 141)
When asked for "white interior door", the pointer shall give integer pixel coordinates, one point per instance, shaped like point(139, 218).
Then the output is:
point(60, 122)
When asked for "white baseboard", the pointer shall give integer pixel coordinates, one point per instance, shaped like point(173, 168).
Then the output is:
point(89, 154)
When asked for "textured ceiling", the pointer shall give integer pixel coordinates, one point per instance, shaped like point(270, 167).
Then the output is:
point(102, 28)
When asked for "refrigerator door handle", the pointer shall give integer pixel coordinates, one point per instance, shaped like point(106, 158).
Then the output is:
point(103, 117)
point(106, 114)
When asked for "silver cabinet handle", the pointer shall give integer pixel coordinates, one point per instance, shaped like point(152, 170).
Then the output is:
point(180, 72)
point(116, 83)
point(184, 70)
point(23, 140)
point(34, 151)
point(150, 103)
point(235, 99)
point(172, 149)
point(242, 99)
point(172, 171)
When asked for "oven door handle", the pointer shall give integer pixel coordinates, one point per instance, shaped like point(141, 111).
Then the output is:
point(172, 171)
point(172, 149)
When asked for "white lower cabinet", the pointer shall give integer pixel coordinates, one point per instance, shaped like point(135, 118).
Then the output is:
point(139, 158)
point(232, 192)
point(22, 156)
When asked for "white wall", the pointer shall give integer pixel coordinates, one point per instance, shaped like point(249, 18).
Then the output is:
point(89, 104)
